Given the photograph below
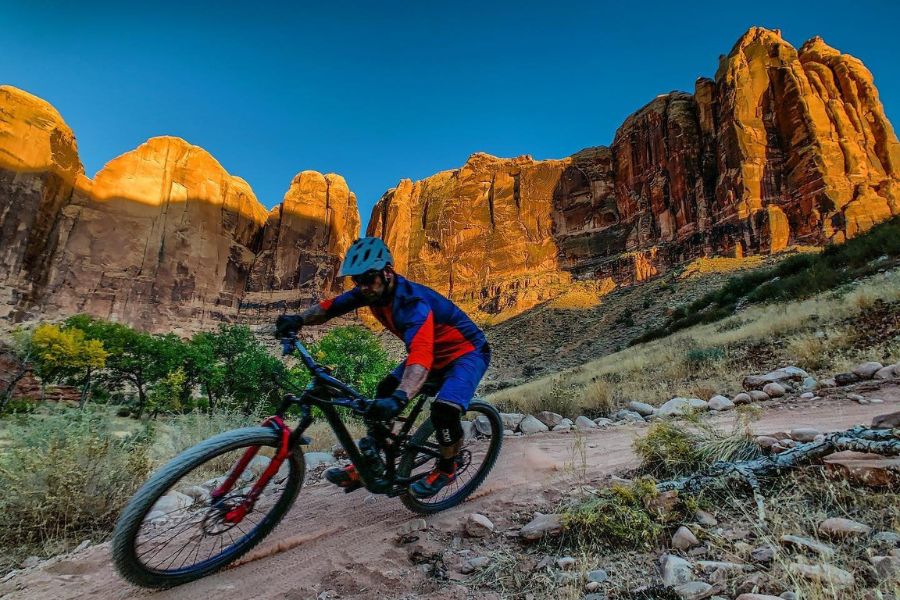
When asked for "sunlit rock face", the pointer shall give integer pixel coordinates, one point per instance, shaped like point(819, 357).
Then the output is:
point(39, 166)
point(304, 239)
point(162, 238)
point(782, 147)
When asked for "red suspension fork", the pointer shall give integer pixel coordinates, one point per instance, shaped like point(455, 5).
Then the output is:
point(237, 514)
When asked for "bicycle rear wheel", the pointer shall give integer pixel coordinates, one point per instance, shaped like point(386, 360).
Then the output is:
point(481, 447)
point(172, 531)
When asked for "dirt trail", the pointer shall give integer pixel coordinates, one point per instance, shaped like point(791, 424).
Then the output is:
point(333, 541)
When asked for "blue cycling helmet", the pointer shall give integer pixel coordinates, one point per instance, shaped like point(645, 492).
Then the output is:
point(364, 255)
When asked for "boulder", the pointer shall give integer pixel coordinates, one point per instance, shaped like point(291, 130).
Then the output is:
point(758, 396)
point(531, 425)
point(720, 403)
point(845, 379)
point(511, 420)
point(742, 398)
point(317, 459)
point(887, 568)
point(628, 415)
point(641, 408)
point(483, 425)
point(888, 421)
point(597, 576)
point(550, 419)
point(782, 376)
point(583, 423)
point(171, 502)
point(766, 442)
point(681, 406)
point(774, 390)
point(603, 422)
point(888, 372)
point(566, 563)
point(867, 370)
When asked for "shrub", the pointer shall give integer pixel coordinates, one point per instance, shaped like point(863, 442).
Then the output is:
point(698, 357)
point(616, 516)
point(67, 479)
point(597, 398)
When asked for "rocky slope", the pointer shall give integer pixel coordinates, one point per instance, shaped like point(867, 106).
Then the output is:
point(782, 147)
point(163, 237)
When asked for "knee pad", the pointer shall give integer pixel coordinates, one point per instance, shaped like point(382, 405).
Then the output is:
point(386, 386)
point(445, 418)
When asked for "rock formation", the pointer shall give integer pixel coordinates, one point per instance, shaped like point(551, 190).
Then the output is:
point(783, 147)
point(162, 238)
point(39, 166)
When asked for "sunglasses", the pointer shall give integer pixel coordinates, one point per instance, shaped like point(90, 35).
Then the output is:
point(367, 278)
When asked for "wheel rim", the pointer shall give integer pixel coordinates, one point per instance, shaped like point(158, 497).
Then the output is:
point(474, 453)
point(185, 530)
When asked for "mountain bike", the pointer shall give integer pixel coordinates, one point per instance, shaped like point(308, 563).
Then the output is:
point(215, 501)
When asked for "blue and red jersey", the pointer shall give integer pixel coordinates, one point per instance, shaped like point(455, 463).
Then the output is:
point(436, 332)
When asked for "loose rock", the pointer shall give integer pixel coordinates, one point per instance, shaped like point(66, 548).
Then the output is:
point(837, 528)
point(597, 576)
point(757, 597)
point(473, 564)
point(763, 554)
point(807, 544)
point(566, 563)
point(804, 434)
point(684, 539)
point(824, 573)
point(542, 525)
point(706, 519)
point(693, 590)
point(674, 570)
point(807, 396)
point(483, 425)
point(628, 415)
point(478, 525)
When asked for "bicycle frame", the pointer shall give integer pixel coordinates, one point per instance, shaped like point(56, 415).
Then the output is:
point(328, 394)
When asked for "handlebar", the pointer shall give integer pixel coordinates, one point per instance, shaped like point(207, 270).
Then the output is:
point(291, 342)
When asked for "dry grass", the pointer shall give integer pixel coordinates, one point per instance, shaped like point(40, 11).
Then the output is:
point(796, 505)
point(713, 358)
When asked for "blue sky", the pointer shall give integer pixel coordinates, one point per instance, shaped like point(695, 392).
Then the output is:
point(380, 91)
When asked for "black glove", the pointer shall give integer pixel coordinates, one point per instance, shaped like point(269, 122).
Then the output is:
point(384, 409)
point(287, 325)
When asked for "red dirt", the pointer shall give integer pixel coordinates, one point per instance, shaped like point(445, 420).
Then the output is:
point(345, 543)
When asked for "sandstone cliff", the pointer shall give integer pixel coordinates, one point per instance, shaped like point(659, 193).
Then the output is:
point(162, 238)
point(39, 165)
point(783, 147)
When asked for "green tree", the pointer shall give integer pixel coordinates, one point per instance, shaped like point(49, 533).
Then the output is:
point(66, 353)
point(22, 353)
point(355, 356)
point(166, 394)
point(201, 366)
point(135, 358)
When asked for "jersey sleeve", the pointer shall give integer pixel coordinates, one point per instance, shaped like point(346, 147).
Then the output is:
point(341, 305)
point(419, 335)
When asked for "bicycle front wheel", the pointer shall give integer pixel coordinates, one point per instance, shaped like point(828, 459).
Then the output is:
point(173, 531)
point(480, 449)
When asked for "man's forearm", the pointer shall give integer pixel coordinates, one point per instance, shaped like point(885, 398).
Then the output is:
point(414, 377)
point(314, 315)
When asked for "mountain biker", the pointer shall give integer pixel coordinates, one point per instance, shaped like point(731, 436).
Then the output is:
point(443, 345)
